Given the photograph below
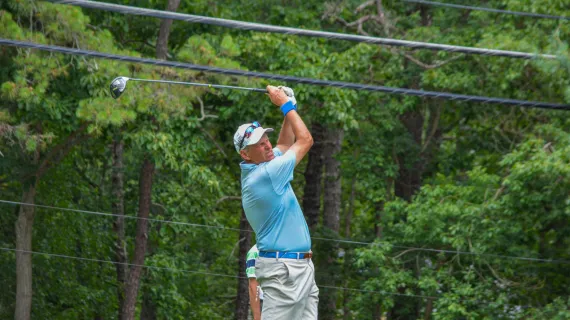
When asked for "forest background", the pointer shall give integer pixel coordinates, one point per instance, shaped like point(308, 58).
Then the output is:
point(389, 179)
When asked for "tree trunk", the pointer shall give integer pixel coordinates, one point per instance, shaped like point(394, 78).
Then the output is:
point(24, 230)
point(347, 256)
point(332, 194)
point(133, 283)
point(313, 178)
point(379, 206)
point(164, 32)
point(350, 211)
point(377, 313)
point(242, 301)
point(145, 190)
point(408, 182)
point(25, 222)
point(148, 311)
point(118, 208)
point(411, 165)
point(379, 209)
point(429, 309)
point(331, 219)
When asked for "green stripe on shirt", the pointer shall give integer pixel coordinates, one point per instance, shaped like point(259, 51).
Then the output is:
point(252, 254)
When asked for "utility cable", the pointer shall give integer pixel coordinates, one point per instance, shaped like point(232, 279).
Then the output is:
point(123, 216)
point(231, 276)
point(348, 241)
point(338, 84)
point(193, 271)
point(516, 13)
point(489, 255)
point(123, 263)
point(208, 273)
point(296, 31)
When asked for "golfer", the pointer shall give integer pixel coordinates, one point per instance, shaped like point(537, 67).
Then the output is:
point(284, 267)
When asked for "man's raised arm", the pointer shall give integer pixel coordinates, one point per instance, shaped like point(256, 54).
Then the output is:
point(286, 136)
point(304, 139)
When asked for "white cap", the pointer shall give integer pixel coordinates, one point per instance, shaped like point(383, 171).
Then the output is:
point(240, 143)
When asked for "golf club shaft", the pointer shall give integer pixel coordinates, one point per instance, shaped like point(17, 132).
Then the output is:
point(197, 84)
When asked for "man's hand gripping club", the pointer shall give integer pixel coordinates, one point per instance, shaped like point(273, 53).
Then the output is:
point(294, 134)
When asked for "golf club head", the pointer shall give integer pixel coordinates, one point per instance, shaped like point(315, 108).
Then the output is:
point(118, 86)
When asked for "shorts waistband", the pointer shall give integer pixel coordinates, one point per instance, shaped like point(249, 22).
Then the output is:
point(286, 255)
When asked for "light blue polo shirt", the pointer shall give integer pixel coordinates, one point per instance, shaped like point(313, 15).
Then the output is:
point(271, 206)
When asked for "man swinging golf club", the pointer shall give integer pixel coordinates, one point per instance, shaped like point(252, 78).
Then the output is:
point(284, 267)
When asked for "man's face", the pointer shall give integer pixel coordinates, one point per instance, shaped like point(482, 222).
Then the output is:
point(258, 153)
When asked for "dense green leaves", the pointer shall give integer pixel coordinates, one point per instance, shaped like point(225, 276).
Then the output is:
point(492, 180)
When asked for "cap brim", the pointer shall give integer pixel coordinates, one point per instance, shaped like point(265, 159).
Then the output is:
point(257, 134)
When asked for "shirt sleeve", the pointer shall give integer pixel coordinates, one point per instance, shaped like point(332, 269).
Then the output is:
point(277, 152)
point(280, 170)
point(252, 254)
point(250, 268)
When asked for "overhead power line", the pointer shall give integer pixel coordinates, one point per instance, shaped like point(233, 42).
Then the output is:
point(123, 216)
point(449, 251)
point(63, 256)
point(348, 241)
point(337, 84)
point(516, 13)
point(296, 31)
point(122, 263)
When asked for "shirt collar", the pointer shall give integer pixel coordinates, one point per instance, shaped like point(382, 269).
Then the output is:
point(246, 167)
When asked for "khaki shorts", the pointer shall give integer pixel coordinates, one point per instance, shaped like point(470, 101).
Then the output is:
point(289, 288)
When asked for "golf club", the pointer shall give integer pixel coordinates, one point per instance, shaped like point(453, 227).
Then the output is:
point(119, 85)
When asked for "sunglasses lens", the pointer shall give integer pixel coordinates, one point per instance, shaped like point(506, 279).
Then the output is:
point(249, 131)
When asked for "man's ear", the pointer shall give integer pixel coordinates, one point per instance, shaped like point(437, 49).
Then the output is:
point(244, 155)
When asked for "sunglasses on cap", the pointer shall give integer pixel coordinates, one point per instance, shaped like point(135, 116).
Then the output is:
point(248, 132)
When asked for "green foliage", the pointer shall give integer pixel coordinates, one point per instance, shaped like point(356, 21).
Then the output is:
point(502, 214)
point(494, 179)
point(557, 310)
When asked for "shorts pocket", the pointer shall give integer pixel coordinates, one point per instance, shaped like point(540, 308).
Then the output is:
point(265, 270)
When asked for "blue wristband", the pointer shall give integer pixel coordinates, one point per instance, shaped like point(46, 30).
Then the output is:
point(288, 106)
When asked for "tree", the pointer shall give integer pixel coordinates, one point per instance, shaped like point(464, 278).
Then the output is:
point(145, 187)
point(118, 205)
point(43, 117)
point(313, 178)
point(242, 301)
